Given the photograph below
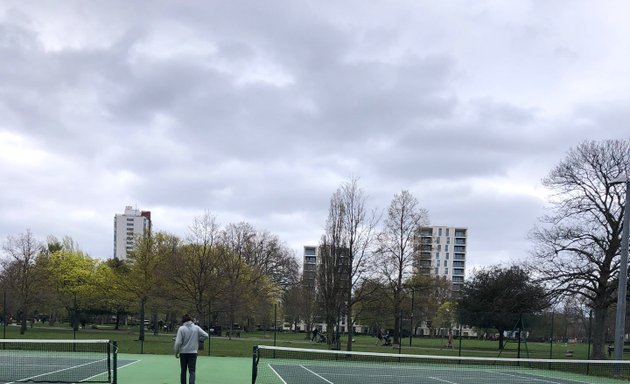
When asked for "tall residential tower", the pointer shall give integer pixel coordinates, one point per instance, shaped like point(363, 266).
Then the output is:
point(127, 226)
point(441, 251)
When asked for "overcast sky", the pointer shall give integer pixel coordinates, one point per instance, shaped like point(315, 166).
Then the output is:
point(257, 111)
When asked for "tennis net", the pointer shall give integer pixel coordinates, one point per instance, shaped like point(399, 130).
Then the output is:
point(57, 361)
point(293, 365)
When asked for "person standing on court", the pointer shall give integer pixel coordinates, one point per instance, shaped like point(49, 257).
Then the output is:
point(186, 343)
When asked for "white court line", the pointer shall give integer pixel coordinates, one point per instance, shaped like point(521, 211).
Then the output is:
point(103, 373)
point(544, 380)
point(442, 380)
point(328, 381)
point(53, 372)
point(126, 365)
point(274, 371)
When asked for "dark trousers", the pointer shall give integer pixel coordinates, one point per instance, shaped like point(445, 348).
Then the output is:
point(187, 361)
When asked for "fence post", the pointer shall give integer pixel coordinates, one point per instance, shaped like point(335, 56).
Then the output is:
point(551, 336)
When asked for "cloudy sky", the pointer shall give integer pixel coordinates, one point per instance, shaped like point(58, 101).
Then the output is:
point(258, 110)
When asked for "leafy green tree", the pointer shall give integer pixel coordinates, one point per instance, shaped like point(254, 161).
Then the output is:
point(496, 297)
point(145, 263)
point(428, 293)
point(446, 318)
point(375, 309)
point(71, 273)
point(120, 299)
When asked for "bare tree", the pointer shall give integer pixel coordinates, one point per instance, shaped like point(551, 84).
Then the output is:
point(270, 257)
point(333, 254)
point(345, 252)
point(358, 234)
point(194, 266)
point(20, 272)
point(396, 248)
point(577, 244)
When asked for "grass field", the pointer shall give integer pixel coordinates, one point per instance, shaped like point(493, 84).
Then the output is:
point(162, 344)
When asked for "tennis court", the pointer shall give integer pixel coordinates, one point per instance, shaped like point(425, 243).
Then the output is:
point(97, 361)
point(58, 361)
point(55, 370)
point(314, 374)
point(275, 365)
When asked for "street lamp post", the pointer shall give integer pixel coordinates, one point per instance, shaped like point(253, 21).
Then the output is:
point(623, 273)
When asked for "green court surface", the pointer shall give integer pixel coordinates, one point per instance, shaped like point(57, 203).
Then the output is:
point(164, 369)
point(322, 374)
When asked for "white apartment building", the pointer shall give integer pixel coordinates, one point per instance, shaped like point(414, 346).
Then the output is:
point(309, 265)
point(442, 252)
point(127, 226)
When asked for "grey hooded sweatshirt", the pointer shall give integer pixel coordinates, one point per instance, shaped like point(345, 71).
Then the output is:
point(188, 337)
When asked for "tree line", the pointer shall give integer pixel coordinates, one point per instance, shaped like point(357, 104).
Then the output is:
point(230, 275)
point(575, 254)
point(366, 264)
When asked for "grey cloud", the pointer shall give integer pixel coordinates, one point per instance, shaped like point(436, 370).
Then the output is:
point(271, 105)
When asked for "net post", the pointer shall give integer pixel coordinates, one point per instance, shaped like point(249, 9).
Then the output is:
point(4, 315)
point(255, 358)
point(109, 359)
point(114, 362)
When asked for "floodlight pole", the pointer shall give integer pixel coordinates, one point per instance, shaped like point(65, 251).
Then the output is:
point(620, 325)
point(411, 330)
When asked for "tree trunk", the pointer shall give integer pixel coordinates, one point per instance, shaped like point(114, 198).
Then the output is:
point(22, 323)
point(397, 306)
point(501, 339)
point(599, 333)
point(397, 321)
point(349, 323)
point(117, 327)
point(330, 333)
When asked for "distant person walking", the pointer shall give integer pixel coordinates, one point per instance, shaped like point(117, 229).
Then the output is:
point(186, 343)
point(379, 336)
